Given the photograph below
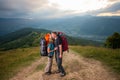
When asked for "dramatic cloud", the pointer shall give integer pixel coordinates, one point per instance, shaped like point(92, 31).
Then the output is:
point(21, 7)
point(113, 10)
point(57, 8)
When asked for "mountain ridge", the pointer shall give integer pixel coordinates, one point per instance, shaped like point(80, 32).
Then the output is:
point(30, 37)
point(89, 27)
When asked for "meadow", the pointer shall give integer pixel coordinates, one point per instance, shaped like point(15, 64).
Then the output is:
point(109, 57)
point(12, 61)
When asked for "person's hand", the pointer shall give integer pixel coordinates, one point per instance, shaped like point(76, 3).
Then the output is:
point(60, 56)
point(55, 48)
point(68, 50)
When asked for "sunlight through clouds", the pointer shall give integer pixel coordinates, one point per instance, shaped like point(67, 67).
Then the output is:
point(56, 8)
point(110, 14)
point(80, 5)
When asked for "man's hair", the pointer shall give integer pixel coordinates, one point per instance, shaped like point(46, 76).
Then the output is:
point(54, 33)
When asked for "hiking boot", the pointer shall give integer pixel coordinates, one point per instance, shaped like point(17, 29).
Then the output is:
point(62, 74)
point(57, 71)
point(47, 73)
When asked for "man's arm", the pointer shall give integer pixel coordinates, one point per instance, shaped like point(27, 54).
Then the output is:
point(60, 49)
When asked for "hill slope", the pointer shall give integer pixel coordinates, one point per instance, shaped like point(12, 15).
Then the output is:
point(29, 37)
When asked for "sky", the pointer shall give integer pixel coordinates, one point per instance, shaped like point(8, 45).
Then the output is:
point(58, 8)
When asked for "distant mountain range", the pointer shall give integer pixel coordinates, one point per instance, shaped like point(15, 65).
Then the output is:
point(30, 37)
point(89, 27)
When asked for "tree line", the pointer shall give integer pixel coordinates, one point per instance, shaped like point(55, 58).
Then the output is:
point(113, 41)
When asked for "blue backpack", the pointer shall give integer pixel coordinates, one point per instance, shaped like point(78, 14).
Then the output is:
point(43, 47)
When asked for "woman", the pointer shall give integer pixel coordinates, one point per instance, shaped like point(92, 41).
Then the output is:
point(51, 48)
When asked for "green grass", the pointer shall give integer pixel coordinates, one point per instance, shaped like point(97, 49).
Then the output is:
point(13, 60)
point(109, 57)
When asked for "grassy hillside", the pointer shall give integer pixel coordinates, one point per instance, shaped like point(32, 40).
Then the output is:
point(110, 57)
point(29, 37)
point(12, 61)
point(20, 34)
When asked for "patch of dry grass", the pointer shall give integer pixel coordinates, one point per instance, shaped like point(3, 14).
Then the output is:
point(12, 61)
point(110, 57)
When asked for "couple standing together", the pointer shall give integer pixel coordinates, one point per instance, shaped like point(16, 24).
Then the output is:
point(55, 46)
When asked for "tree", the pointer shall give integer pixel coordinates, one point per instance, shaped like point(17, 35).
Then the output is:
point(113, 41)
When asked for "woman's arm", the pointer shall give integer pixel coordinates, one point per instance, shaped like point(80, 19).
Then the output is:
point(50, 50)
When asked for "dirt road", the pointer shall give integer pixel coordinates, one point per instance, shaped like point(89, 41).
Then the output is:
point(77, 68)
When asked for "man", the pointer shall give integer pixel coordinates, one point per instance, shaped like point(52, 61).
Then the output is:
point(58, 53)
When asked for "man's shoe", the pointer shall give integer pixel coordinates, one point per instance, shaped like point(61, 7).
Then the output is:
point(47, 73)
point(57, 71)
point(62, 74)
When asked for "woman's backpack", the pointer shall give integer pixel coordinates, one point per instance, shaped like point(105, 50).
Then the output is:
point(43, 45)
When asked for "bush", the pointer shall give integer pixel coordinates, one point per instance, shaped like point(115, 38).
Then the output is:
point(113, 41)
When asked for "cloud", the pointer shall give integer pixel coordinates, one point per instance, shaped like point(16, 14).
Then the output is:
point(117, 13)
point(113, 10)
point(25, 5)
point(31, 9)
point(45, 9)
point(16, 8)
point(113, 0)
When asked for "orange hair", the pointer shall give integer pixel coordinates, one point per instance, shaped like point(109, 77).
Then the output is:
point(47, 38)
